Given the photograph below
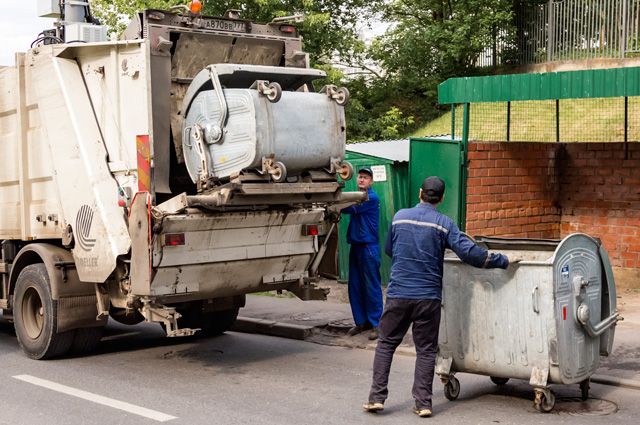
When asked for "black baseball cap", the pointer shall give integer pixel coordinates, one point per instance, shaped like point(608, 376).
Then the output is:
point(366, 170)
point(433, 187)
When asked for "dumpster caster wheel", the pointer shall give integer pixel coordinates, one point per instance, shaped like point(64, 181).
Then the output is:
point(584, 389)
point(452, 389)
point(499, 381)
point(544, 402)
point(274, 92)
point(342, 96)
point(345, 171)
point(278, 172)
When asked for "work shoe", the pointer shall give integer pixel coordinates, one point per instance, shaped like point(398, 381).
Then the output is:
point(358, 329)
point(373, 335)
point(423, 412)
point(373, 407)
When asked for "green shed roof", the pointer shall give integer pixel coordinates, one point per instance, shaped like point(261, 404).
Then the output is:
point(613, 82)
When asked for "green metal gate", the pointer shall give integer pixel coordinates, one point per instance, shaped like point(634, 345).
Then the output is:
point(444, 158)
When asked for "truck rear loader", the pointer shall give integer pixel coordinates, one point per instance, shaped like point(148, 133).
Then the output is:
point(162, 177)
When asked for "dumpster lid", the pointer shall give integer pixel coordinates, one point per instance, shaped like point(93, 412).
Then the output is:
point(234, 76)
point(523, 244)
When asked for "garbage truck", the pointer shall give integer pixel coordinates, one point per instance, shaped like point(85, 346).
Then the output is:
point(163, 176)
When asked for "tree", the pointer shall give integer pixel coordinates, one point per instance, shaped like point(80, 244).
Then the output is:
point(430, 41)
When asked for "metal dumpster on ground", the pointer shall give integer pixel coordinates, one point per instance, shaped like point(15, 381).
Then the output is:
point(547, 319)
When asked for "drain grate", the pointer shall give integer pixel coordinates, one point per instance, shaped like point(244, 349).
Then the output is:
point(574, 406)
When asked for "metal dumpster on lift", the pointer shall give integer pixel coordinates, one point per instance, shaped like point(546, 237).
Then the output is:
point(547, 319)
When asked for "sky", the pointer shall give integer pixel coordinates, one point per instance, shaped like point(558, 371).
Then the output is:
point(19, 26)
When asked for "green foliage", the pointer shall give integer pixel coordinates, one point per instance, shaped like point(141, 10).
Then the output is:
point(428, 42)
point(329, 28)
point(433, 39)
point(117, 13)
point(376, 112)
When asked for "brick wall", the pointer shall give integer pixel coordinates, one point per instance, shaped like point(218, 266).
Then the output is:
point(512, 190)
point(600, 196)
point(548, 190)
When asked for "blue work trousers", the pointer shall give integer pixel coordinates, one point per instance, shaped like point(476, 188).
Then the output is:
point(365, 289)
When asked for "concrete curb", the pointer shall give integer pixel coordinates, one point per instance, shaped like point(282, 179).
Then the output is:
point(272, 328)
point(615, 381)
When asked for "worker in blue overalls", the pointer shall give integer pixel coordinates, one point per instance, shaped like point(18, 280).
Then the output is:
point(365, 290)
point(417, 240)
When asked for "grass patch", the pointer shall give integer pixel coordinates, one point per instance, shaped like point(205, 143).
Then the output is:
point(581, 120)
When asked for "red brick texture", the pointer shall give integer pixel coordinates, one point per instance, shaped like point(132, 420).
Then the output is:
point(548, 190)
point(512, 190)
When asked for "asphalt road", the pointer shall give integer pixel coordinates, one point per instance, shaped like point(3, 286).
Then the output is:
point(140, 377)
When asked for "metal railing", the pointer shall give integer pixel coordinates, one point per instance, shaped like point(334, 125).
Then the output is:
point(568, 30)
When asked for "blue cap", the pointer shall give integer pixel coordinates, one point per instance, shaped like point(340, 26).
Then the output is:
point(366, 170)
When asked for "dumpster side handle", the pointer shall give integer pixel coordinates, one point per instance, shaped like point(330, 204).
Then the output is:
point(535, 300)
point(600, 328)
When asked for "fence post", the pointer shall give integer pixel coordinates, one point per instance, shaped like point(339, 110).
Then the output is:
point(623, 42)
point(626, 127)
point(557, 120)
point(550, 30)
point(453, 121)
point(508, 121)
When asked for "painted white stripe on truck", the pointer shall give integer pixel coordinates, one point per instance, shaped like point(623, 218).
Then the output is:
point(95, 398)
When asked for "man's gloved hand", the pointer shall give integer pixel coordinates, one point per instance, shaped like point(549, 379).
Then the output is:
point(514, 258)
point(333, 216)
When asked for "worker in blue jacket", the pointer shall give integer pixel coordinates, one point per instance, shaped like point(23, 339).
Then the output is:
point(416, 244)
point(365, 290)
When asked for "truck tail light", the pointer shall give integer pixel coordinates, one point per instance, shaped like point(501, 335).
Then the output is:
point(310, 230)
point(287, 29)
point(173, 239)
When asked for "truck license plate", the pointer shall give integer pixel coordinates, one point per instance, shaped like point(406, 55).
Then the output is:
point(222, 25)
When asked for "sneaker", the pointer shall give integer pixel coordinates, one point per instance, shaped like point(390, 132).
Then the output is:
point(373, 407)
point(357, 329)
point(373, 335)
point(423, 412)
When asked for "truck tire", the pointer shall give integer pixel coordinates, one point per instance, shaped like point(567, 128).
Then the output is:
point(35, 315)
point(210, 323)
point(219, 322)
point(126, 317)
point(86, 340)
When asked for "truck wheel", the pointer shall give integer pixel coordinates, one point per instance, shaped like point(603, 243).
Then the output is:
point(219, 322)
point(86, 340)
point(210, 324)
point(126, 317)
point(499, 381)
point(35, 315)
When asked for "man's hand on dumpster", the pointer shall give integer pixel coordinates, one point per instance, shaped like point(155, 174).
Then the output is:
point(514, 258)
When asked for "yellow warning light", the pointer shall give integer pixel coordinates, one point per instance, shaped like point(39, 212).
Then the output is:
point(195, 7)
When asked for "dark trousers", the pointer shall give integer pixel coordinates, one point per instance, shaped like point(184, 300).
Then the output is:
point(365, 288)
point(397, 316)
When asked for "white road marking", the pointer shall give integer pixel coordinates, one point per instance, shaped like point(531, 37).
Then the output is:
point(95, 398)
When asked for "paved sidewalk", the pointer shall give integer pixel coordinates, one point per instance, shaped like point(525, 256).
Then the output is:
point(326, 322)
